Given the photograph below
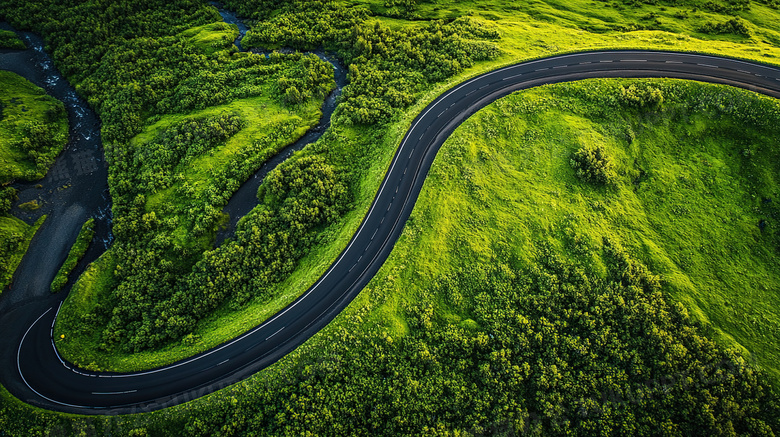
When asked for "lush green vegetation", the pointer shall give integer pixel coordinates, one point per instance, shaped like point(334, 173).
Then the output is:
point(33, 129)
point(15, 236)
point(9, 40)
point(77, 252)
point(393, 64)
point(389, 361)
point(530, 308)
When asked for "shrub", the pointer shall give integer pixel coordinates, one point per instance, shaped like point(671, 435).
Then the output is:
point(734, 26)
point(642, 96)
point(592, 164)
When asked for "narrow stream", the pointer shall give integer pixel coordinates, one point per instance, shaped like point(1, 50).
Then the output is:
point(245, 199)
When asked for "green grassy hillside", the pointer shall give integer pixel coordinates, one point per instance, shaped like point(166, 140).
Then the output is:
point(694, 196)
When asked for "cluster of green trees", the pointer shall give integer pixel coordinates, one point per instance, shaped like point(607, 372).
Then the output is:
point(736, 26)
point(8, 195)
point(593, 164)
point(387, 67)
point(42, 142)
point(154, 163)
point(154, 302)
point(9, 40)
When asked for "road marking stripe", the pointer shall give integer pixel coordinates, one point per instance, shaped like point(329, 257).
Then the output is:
point(280, 330)
point(114, 392)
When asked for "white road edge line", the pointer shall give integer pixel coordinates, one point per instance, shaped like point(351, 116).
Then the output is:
point(19, 367)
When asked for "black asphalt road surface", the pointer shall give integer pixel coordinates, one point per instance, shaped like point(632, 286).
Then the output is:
point(34, 372)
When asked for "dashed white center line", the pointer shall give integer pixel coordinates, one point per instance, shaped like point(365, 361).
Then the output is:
point(372, 237)
point(114, 392)
point(560, 66)
point(541, 69)
point(633, 60)
point(604, 62)
point(673, 62)
point(708, 65)
point(743, 71)
point(280, 330)
point(223, 362)
point(512, 77)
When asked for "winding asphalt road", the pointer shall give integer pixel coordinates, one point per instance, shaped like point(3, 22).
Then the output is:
point(36, 374)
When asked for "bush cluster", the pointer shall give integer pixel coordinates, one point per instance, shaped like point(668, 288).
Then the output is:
point(594, 165)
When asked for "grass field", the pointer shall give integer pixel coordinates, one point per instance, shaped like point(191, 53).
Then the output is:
point(695, 200)
point(33, 129)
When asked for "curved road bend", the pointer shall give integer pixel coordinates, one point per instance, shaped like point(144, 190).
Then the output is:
point(34, 372)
